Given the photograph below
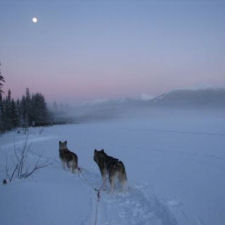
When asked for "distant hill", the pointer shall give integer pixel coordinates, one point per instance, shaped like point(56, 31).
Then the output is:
point(201, 99)
point(209, 98)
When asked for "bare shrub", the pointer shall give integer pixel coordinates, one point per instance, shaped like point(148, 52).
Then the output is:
point(21, 166)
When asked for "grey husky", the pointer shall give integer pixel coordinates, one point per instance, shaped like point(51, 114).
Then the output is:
point(110, 166)
point(67, 157)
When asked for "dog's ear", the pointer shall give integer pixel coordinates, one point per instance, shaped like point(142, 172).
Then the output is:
point(65, 142)
point(102, 150)
point(95, 150)
point(60, 142)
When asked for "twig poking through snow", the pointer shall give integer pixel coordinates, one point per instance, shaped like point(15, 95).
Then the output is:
point(19, 169)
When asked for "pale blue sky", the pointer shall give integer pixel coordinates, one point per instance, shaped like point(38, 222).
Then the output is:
point(82, 50)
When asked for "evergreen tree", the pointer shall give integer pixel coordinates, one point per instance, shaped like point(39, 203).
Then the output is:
point(23, 112)
point(6, 112)
point(2, 80)
point(19, 112)
point(14, 115)
point(39, 114)
point(28, 107)
point(8, 98)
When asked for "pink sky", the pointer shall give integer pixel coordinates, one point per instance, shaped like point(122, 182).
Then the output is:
point(110, 50)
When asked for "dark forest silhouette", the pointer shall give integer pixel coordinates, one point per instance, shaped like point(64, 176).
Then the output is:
point(30, 110)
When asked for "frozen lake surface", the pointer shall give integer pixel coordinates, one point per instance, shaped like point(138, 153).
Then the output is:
point(175, 165)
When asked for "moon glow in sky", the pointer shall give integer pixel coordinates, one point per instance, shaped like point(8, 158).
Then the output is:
point(34, 19)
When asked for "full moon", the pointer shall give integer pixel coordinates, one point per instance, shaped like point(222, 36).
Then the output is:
point(34, 19)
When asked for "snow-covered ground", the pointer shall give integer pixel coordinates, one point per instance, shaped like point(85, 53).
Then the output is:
point(175, 165)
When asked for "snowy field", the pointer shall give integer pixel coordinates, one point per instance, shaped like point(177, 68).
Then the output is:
point(175, 166)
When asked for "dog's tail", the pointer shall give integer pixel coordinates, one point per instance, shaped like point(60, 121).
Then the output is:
point(122, 170)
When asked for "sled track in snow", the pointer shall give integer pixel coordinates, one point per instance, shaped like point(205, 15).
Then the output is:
point(133, 207)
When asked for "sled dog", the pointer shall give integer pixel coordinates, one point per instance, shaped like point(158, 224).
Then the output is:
point(110, 166)
point(67, 157)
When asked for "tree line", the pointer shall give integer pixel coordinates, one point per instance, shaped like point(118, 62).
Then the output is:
point(30, 110)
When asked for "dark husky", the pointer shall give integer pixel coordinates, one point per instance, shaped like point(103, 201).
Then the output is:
point(67, 157)
point(110, 166)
